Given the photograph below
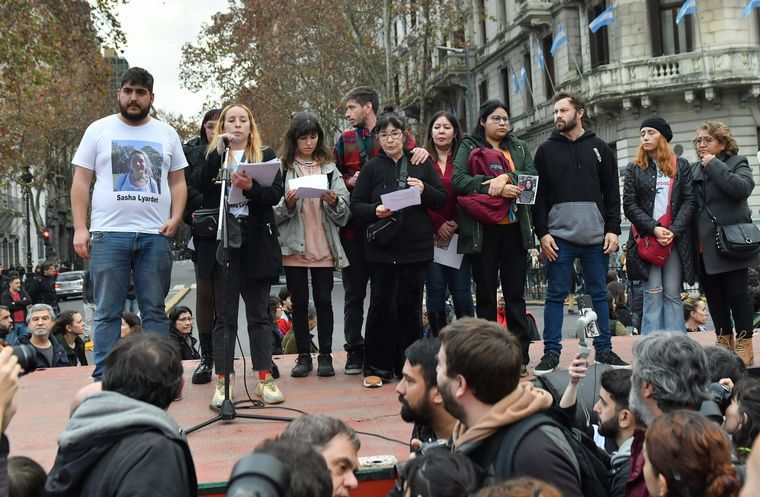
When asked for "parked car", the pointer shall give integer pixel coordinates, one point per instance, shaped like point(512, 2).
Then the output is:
point(69, 284)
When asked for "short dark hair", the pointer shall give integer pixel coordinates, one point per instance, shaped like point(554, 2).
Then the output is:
point(617, 382)
point(211, 115)
point(423, 352)
point(747, 395)
point(364, 94)
point(488, 108)
point(4, 308)
point(303, 124)
point(389, 118)
point(146, 367)
point(723, 363)
point(283, 294)
point(575, 99)
point(470, 345)
point(440, 473)
point(318, 430)
point(309, 475)
point(174, 315)
point(26, 478)
point(137, 76)
point(430, 143)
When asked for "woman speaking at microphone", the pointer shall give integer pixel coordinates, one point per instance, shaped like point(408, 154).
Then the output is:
point(254, 253)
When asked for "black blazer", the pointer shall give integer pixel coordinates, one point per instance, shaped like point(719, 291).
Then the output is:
point(261, 250)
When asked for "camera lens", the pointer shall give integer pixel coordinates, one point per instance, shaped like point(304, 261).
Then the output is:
point(27, 357)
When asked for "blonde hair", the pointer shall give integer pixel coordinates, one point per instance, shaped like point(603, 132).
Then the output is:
point(253, 149)
point(663, 154)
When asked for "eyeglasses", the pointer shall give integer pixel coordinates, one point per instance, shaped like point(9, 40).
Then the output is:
point(498, 119)
point(703, 139)
point(394, 135)
point(186, 319)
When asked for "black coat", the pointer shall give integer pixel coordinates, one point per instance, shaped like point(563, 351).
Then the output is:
point(60, 358)
point(261, 250)
point(188, 351)
point(76, 356)
point(414, 242)
point(13, 306)
point(42, 290)
point(638, 204)
point(726, 182)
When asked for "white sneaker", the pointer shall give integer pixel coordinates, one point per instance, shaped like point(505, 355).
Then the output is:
point(268, 391)
point(218, 398)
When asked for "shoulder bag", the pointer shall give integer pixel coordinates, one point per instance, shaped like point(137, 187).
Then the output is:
point(383, 231)
point(736, 241)
point(649, 249)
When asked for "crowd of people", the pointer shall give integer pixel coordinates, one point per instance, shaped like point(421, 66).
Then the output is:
point(386, 206)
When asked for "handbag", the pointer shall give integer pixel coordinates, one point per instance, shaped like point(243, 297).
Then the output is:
point(737, 241)
point(205, 222)
point(648, 247)
point(384, 230)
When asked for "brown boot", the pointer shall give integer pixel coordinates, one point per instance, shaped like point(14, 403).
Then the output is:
point(744, 348)
point(725, 341)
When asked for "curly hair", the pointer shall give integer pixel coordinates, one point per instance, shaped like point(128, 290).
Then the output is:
point(720, 132)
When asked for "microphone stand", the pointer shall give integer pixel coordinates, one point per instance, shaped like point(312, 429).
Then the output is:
point(227, 412)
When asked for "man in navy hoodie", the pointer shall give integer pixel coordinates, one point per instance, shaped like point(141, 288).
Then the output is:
point(576, 215)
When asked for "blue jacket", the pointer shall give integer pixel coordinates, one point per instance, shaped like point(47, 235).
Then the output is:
point(60, 358)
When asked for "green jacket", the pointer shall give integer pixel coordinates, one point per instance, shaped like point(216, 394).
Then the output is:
point(471, 231)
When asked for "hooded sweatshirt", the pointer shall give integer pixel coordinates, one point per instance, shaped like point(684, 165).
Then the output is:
point(578, 199)
point(114, 445)
point(537, 451)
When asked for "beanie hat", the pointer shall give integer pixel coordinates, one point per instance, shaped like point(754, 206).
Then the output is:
point(660, 124)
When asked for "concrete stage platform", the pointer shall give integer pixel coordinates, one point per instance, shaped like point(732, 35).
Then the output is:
point(44, 397)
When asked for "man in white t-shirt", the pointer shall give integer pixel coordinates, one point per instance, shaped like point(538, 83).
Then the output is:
point(137, 206)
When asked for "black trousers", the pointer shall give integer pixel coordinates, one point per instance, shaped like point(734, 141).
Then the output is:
point(728, 297)
point(355, 278)
point(204, 304)
point(394, 319)
point(503, 259)
point(297, 279)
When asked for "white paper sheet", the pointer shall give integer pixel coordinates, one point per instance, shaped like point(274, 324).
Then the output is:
point(445, 252)
point(399, 199)
point(308, 192)
point(263, 172)
point(316, 181)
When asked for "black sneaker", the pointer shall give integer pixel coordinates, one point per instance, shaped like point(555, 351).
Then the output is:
point(549, 363)
point(202, 373)
point(324, 365)
point(302, 367)
point(354, 362)
point(611, 359)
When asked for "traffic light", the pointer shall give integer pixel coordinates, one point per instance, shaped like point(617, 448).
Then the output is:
point(46, 234)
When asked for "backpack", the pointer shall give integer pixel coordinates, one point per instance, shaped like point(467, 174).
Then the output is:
point(591, 462)
point(481, 206)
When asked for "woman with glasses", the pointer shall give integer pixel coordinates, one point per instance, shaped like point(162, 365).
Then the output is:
point(397, 268)
point(181, 332)
point(722, 183)
point(498, 252)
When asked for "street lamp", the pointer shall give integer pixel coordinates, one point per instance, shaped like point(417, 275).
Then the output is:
point(469, 83)
point(27, 177)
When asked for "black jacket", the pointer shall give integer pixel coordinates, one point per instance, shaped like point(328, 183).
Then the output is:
point(639, 191)
point(42, 290)
point(575, 174)
point(13, 306)
point(195, 153)
point(60, 358)
point(76, 356)
point(414, 243)
point(261, 251)
point(726, 182)
point(188, 351)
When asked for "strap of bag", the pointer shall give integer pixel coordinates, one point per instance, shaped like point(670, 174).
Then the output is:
point(707, 207)
point(360, 143)
point(403, 173)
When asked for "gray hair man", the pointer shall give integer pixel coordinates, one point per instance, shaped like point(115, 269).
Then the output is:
point(50, 353)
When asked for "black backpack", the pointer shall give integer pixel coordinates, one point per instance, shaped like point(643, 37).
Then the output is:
point(592, 463)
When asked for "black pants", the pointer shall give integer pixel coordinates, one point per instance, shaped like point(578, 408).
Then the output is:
point(504, 259)
point(227, 293)
point(297, 279)
point(355, 278)
point(728, 296)
point(394, 319)
point(204, 304)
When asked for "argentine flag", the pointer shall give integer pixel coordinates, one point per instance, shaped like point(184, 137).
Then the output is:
point(604, 19)
point(523, 76)
point(515, 82)
point(541, 61)
point(751, 5)
point(559, 39)
point(689, 7)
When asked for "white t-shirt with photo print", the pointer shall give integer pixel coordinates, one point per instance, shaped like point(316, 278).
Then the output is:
point(131, 165)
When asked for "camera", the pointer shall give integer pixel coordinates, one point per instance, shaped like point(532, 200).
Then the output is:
point(423, 449)
point(720, 394)
point(258, 475)
point(27, 357)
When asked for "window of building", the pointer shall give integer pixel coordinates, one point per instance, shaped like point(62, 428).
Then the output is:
point(506, 88)
point(483, 91)
point(482, 21)
point(669, 38)
point(599, 42)
point(527, 89)
point(503, 14)
point(549, 76)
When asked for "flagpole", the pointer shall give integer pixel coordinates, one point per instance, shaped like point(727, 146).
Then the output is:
point(546, 69)
point(701, 40)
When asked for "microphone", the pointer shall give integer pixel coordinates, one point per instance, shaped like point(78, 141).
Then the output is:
point(226, 142)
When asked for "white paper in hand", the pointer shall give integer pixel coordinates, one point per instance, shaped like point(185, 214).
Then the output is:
point(262, 172)
point(445, 252)
point(395, 201)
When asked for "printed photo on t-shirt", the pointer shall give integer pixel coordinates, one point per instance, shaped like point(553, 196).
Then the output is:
point(136, 166)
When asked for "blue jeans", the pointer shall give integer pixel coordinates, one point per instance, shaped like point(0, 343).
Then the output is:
point(663, 308)
point(113, 257)
point(438, 277)
point(18, 330)
point(559, 276)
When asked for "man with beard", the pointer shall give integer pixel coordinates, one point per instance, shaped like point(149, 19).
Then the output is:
point(576, 215)
point(130, 231)
point(487, 399)
point(6, 325)
point(50, 353)
point(420, 398)
point(617, 424)
point(669, 372)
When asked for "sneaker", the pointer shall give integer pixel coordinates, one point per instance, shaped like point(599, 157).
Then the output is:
point(612, 359)
point(549, 363)
point(354, 362)
point(218, 398)
point(373, 382)
point(325, 365)
point(268, 391)
point(744, 348)
point(302, 367)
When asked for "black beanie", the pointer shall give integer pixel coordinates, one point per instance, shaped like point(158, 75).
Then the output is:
point(660, 124)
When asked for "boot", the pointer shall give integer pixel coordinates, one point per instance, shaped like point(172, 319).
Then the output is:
point(744, 348)
point(725, 341)
point(202, 373)
point(437, 321)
